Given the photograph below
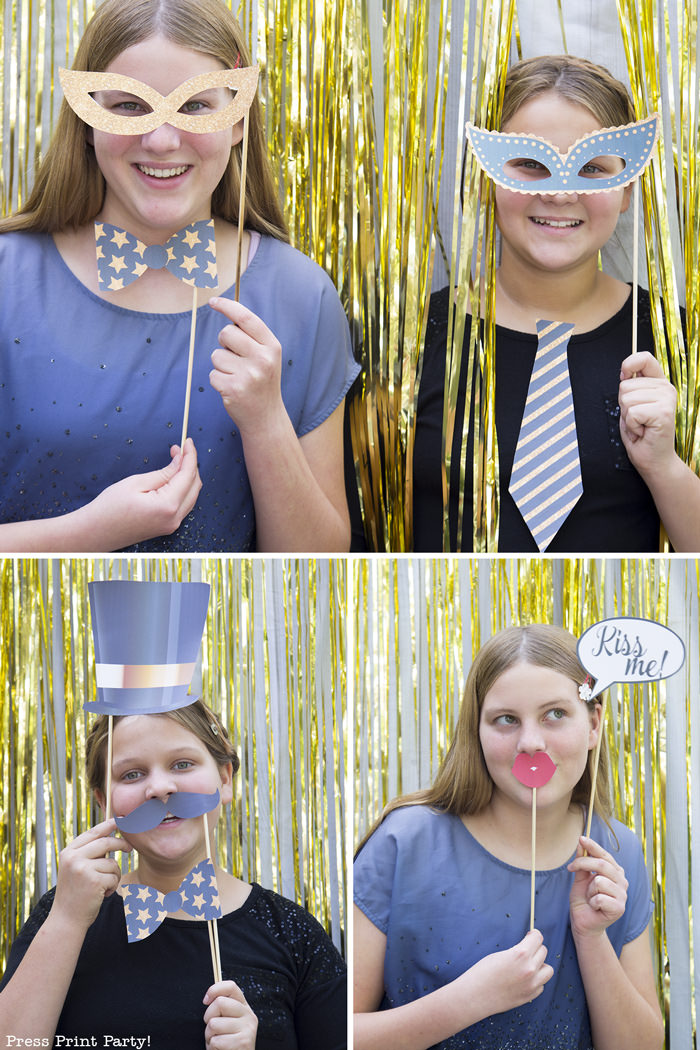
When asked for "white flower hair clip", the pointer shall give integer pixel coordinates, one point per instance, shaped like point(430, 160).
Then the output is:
point(585, 690)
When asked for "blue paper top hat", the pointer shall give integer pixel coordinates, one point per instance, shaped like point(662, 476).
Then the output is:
point(147, 638)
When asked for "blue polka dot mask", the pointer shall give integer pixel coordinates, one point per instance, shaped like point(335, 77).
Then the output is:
point(609, 159)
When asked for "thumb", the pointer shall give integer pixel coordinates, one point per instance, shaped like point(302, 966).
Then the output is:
point(156, 479)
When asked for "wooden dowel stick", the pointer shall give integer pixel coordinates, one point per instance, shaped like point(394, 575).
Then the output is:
point(635, 268)
point(211, 923)
point(596, 760)
point(532, 875)
point(190, 363)
point(212, 947)
point(241, 207)
point(217, 951)
point(108, 786)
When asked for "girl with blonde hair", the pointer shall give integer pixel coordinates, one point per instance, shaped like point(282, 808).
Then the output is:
point(94, 378)
point(443, 957)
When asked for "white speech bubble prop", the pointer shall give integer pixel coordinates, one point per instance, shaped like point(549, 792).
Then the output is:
point(626, 649)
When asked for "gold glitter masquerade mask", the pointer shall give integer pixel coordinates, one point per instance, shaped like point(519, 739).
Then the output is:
point(134, 108)
point(530, 164)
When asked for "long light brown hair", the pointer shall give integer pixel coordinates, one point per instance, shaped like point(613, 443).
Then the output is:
point(69, 187)
point(463, 785)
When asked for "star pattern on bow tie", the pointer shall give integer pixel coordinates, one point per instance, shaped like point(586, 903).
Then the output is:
point(190, 254)
point(145, 907)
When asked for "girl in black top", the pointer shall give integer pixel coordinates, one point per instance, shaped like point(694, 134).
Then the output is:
point(71, 971)
point(624, 406)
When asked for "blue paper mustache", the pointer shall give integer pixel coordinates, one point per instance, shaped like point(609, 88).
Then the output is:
point(149, 814)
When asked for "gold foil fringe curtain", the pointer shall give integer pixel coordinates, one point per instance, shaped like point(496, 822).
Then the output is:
point(472, 266)
point(661, 45)
point(272, 664)
point(356, 98)
point(416, 629)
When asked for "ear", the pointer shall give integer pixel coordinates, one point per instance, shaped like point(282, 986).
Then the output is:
point(237, 133)
point(226, 774)
point(100, 800)
point(596, 720)
point(627, 197)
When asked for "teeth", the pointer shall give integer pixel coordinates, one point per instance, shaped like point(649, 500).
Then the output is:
point(558, 223)
point(163, 173)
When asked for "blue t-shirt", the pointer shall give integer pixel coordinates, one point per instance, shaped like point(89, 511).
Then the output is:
point(444, 902)
point(91, 393)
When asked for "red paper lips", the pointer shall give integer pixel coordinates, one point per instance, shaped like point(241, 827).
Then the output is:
point(534, 771)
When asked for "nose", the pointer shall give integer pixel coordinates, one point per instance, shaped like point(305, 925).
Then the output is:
point(160, 784)
point(561, 198)
point(530, 738)
point(162, 140)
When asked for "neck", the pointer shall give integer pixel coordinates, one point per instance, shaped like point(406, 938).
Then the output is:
point(511, 824)
point(149, 234)
point(526, 295)
point(163, 874)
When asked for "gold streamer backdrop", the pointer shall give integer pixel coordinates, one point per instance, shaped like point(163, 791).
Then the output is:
point(272, 664)
point(362, 152)
point(416, 628)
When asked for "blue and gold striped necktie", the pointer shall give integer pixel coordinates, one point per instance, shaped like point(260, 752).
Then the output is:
point(546, 478)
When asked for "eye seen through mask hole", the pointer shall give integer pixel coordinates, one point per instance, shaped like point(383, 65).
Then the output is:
point(528, 169)
point(123, 104)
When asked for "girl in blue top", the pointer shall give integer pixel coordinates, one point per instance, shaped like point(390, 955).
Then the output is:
point(442, 956)
point(92, 381)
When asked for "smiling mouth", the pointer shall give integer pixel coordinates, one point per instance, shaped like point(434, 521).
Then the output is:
point(169, 819)
point(163, 173)
point(558, 224)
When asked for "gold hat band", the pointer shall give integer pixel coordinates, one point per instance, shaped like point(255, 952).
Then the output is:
point(142, 676)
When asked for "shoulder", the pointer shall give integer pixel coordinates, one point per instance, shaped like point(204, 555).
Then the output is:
point(39, 913)
point(288, 921)
point(439, 307)
point(298, 270)
point(620, 841)
point(26, 935)
point(19, 246)
point(442, 305)
point(295, 296)
point(413, 827)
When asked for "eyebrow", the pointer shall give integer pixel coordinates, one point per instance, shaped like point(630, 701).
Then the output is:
point(186, 751)
point(555, 702)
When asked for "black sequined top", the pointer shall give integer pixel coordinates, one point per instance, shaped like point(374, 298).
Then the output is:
point(292, 976)
point(616, 511)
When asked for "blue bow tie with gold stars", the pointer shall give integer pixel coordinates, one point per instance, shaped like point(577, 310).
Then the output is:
point(190, 255)
point(145, 907)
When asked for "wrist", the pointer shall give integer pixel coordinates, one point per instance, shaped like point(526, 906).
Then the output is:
point(589, 940)
point(270, 427)
point(66, 924)
point(662, 472)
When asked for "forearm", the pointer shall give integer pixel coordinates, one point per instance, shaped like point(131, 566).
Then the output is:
point(621, 1018)
point(32, 1001)
point(417, 1025)
point(676, 493)
point(292, 512)
point(65, 533)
